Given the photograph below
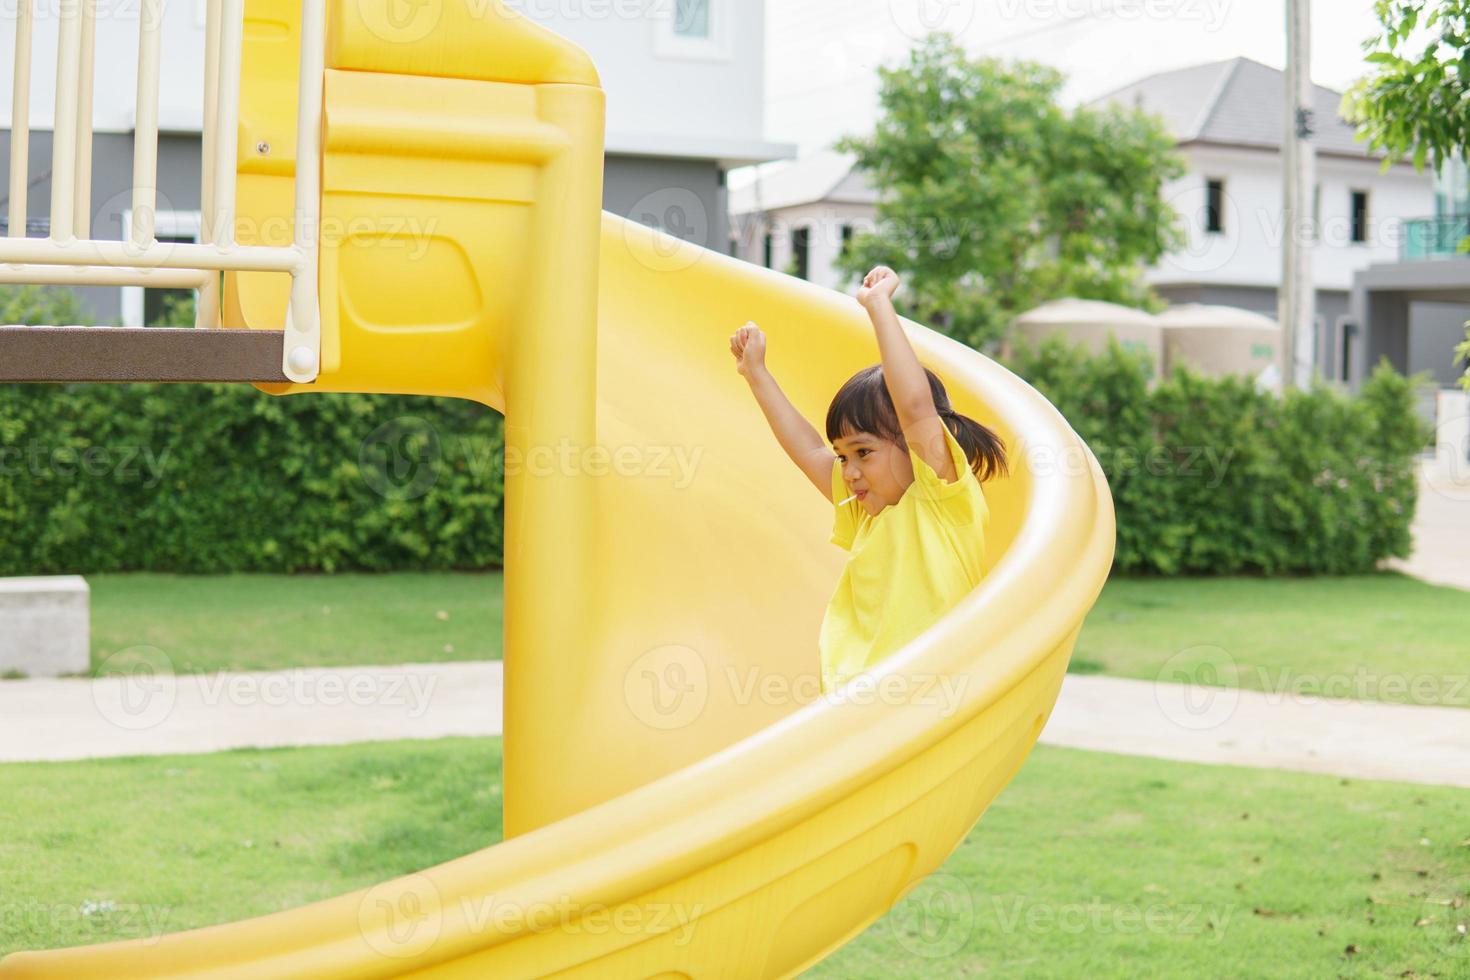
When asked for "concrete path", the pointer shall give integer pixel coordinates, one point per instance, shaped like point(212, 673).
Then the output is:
point(1363, 739)
point(1441, 528)
point(149, 714)
point(163, 714)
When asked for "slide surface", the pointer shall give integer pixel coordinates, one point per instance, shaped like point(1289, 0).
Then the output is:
point(685, 805)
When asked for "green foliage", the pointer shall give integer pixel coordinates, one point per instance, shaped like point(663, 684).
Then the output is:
point(178, 310)
point(997, 199)
point(41, 306)
point(1416, 99)
point(216, 478)
point(1213, 476)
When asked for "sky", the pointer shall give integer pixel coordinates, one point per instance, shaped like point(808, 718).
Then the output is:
point(821, 55)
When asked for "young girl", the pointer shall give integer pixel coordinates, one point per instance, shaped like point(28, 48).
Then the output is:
point(904, 473)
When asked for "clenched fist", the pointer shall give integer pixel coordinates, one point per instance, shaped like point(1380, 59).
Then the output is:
point(748, 345)
point(882, 282)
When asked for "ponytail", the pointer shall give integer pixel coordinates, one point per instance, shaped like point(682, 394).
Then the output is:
point(983, 448)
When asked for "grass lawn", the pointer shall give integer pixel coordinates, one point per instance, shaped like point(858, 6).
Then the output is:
point(1375, 637)
point(261, 622)
point(1384, 637)
point(1089, 865)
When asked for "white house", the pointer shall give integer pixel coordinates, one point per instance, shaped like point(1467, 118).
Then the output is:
point(685, 104)
point(1227, 118)
point(800, 217)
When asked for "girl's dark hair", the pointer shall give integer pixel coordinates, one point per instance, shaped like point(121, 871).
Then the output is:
point(863, 404)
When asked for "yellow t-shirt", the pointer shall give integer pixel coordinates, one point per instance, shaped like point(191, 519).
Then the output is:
point(908, 566)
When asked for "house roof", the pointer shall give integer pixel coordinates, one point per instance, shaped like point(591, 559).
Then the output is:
point(825, 176)
point(1237, 102)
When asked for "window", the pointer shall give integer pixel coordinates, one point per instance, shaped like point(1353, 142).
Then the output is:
point(801, 241)
point(699, 30)
point(1214, 206)
point(1348, 331)
point(142, 307)
point(1360, 216)
point(691, 18)
point(1451, 188)
point(158, 303)
point(35, 227)
point(768, 250)
point(846, 238)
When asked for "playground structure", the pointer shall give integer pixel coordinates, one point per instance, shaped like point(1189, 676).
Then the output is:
point(678, 802)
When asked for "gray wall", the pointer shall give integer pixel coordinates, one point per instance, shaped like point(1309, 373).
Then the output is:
point(686, 198)
point(1331, 303)
point(1414, 313)
point(112, 192)
point(1417, 335)
point(1256, 300)
point(1388, 330)
point(1435, 329)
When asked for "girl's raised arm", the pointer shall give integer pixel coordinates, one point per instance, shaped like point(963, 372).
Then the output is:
point(802, 442)
point(907, 383)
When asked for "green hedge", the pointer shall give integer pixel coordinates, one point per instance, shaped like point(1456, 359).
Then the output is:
point(216, 478)
point(1212, 476)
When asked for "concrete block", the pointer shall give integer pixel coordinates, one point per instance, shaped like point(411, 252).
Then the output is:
point(45, 625)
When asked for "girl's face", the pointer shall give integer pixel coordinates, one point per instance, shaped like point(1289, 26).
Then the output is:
point(877, 469)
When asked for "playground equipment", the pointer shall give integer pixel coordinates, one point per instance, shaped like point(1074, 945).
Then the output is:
point(679, 803)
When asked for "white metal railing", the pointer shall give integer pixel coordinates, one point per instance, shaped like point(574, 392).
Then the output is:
point(70, 256)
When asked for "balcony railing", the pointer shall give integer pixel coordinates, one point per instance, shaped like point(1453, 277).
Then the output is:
point(1435, 238)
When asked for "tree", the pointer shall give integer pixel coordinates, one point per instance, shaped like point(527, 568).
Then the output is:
point(994, 198)
point(1414, 100)
point(41, 306)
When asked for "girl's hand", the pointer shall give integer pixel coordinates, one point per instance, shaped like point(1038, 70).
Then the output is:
point(748, 345)
point(881, 282)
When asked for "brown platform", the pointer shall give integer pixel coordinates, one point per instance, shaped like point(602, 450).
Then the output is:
point(139, 354)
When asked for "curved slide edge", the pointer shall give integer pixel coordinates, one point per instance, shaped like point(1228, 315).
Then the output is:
point(768, 854)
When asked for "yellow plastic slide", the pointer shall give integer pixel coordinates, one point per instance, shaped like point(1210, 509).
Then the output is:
point(680, 804)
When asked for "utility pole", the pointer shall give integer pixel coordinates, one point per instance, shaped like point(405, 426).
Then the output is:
point(1297, 303)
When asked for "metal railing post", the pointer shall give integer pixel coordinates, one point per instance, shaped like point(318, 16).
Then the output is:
point(20, 121)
